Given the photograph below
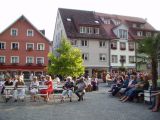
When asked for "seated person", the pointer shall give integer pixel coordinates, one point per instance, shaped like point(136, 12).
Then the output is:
point(156, 103)
point(139, 87)
point(80, 91)
point(42, 80)
point(49, 89)
point(94, 83)
point(19, 93)
point(67, 89)
point(34, 88)
point(8, 82)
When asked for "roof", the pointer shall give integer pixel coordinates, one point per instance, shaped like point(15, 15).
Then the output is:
point(77, 18)
point(24, 18)
point(73, 19)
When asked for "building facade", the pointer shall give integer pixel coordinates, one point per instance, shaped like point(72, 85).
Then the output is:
point(107, 41)
point(23, 49)
point(85, 32)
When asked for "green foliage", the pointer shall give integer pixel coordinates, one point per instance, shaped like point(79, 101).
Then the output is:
point(151, 47)
point(68, 63)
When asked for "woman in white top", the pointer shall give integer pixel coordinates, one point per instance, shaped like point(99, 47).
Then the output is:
point(34, 88)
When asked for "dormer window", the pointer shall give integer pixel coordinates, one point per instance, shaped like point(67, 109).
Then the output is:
point(134, 25)
point(96, 30)
point(106, 20)
point(122, 33)
point(139, 33)
point(90, 30)
point(148, 34)
point(117, 22)
point(83, 29)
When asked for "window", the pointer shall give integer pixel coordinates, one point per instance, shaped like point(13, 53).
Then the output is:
point(89, 30)
point(2, 45)
point(2, 59)
point(30, 32)
point(148, 34)
point(74, 42)
point(117, 22)
point(134, 25)
point(84, 42)
point(29, 46)
point(14, 31)
point(122, 58)
point(96, 31)
point(122, 45)
point(106, 20)
point(29, 59)
point(114, 45)
point(40, 60)
point(14, 45)
point(83, 29)
point(142, 26)
point(131, 46)
point(102, 57)
point(40, 46)
point(14, 59)
point(131, 59)
point(139, 33)
point(123, 33)
point(85, 56)
point(114, 59)
point(102, 43)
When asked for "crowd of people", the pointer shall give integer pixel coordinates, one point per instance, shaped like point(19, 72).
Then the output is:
point(128, 85)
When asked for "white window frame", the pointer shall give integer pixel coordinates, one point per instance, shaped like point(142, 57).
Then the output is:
point(4, 45)
point(27, 46)
point(90, 30)
point(124, 34)
point(4, 59)
point(102, 55)
point(29, 57)
point(139, 33)
point(106, 20)
point(85, 43)
point(148, 34)
point(122, 45)
point(130, 45)
point(102, 44)
point(14, 57)
point(74, 42)
point(14, 43)
point(15, 30)
point(114, 58)
point(41, 44)
point(85, 55)
point(83, 29)
point(96, 31)
point(42, 60)
point(124, 56)
point(30, 30)
point(133, 58)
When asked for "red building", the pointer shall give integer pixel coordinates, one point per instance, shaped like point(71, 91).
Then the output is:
point(23, 49)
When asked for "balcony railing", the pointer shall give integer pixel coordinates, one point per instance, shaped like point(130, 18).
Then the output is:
point(2, 63)
point(29, 64)
point(14, 63)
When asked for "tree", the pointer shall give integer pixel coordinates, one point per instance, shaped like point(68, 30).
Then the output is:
point(151, 47)
point(68, 62)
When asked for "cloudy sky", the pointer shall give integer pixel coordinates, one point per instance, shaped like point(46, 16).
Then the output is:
point(42, 13)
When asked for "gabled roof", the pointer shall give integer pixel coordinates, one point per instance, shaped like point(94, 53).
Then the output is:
point(24, 18)
point(79, 18)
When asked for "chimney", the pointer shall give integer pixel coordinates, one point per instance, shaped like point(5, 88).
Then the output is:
point(42, 31)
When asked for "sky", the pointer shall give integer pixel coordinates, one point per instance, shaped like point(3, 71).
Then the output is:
point(42, 13)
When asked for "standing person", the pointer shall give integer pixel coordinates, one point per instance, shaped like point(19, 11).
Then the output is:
point(49, 89)
point(34, 88)
point(81, 85)
point(19, 93)
point(68, 89)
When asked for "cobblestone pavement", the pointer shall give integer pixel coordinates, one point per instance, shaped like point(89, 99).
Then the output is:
point(97, 105)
